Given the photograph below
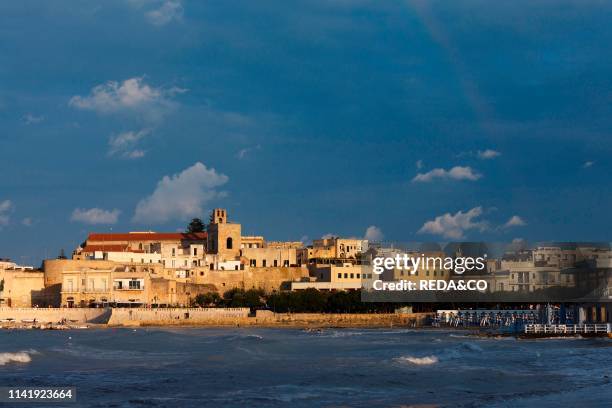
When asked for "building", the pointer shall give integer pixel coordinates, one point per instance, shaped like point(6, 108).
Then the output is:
point(325, 249)
point(335, 277)
point(24, 288)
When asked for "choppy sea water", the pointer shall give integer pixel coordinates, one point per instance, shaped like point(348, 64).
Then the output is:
point(187, 367)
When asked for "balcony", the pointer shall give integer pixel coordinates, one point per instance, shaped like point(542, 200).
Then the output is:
point(86, 290)
point(128, 288)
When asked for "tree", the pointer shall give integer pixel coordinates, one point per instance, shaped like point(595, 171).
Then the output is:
point(240, 298)
point(196, 225)
point(207, 299)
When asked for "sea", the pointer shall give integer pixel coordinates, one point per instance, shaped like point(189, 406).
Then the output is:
point(244, 367)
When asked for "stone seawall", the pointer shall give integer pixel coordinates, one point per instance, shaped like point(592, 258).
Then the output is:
point(54, 315)
point(229, 317)
point(174, 316)
point(239, 317)
point(340, 319)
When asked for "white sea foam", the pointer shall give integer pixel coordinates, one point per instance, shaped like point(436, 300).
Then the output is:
point(422, 361)
point(18, 357)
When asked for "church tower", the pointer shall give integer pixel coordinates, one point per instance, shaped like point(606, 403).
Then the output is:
point(224, 238)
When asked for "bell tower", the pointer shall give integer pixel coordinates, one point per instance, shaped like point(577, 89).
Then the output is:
point(218, 216)
point(224, 238)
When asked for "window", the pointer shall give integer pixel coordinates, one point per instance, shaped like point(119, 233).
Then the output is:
point(69, 286)
point(275, 262)
point(345, 275)
point(286, 262)
point(134, 284)
point(173, 251)
point(253, 262)
point(229, 243)
point(263, 263)
point(358, 275)
point(195, 251)
point(339, 276)
point(352, 275)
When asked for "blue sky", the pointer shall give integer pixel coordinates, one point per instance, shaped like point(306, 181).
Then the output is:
point(304, 119)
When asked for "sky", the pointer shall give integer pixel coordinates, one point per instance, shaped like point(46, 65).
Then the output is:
point(402, 121)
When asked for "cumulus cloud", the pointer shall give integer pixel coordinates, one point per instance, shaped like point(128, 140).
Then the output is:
point(27, 222)
point(373, 233)
point(588, 164)
point(515, 221)
point(130, 95)
point(124, 144)
point(6, 207)
point(181, 196)
point(95, 216)
point(169, 11)
point(488, 154)
point(419, 164)
point(453, 226)
point(456, 173)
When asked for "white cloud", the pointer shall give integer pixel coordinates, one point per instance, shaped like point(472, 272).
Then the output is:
point(94, 216)
point(488, 154)
point(328, 236)
point(515, 221)
point(30, 119)
point(131, 94)
point(373, 233)
point(180, 196)
point(588, 164)
point(124, 144)
point(454, 226)
point(419, 164)
point(27, 222)
point(171, 10)
point(242, 153)
point(6, 207)
point(456, 173)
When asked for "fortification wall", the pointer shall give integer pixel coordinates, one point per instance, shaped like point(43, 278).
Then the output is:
point(54, 315)
point(340, 319)
point(268, 279)
point(172, 316)
point(238, 317)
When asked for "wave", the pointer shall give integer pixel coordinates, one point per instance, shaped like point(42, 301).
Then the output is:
point(421, 361)
point(18, 357)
